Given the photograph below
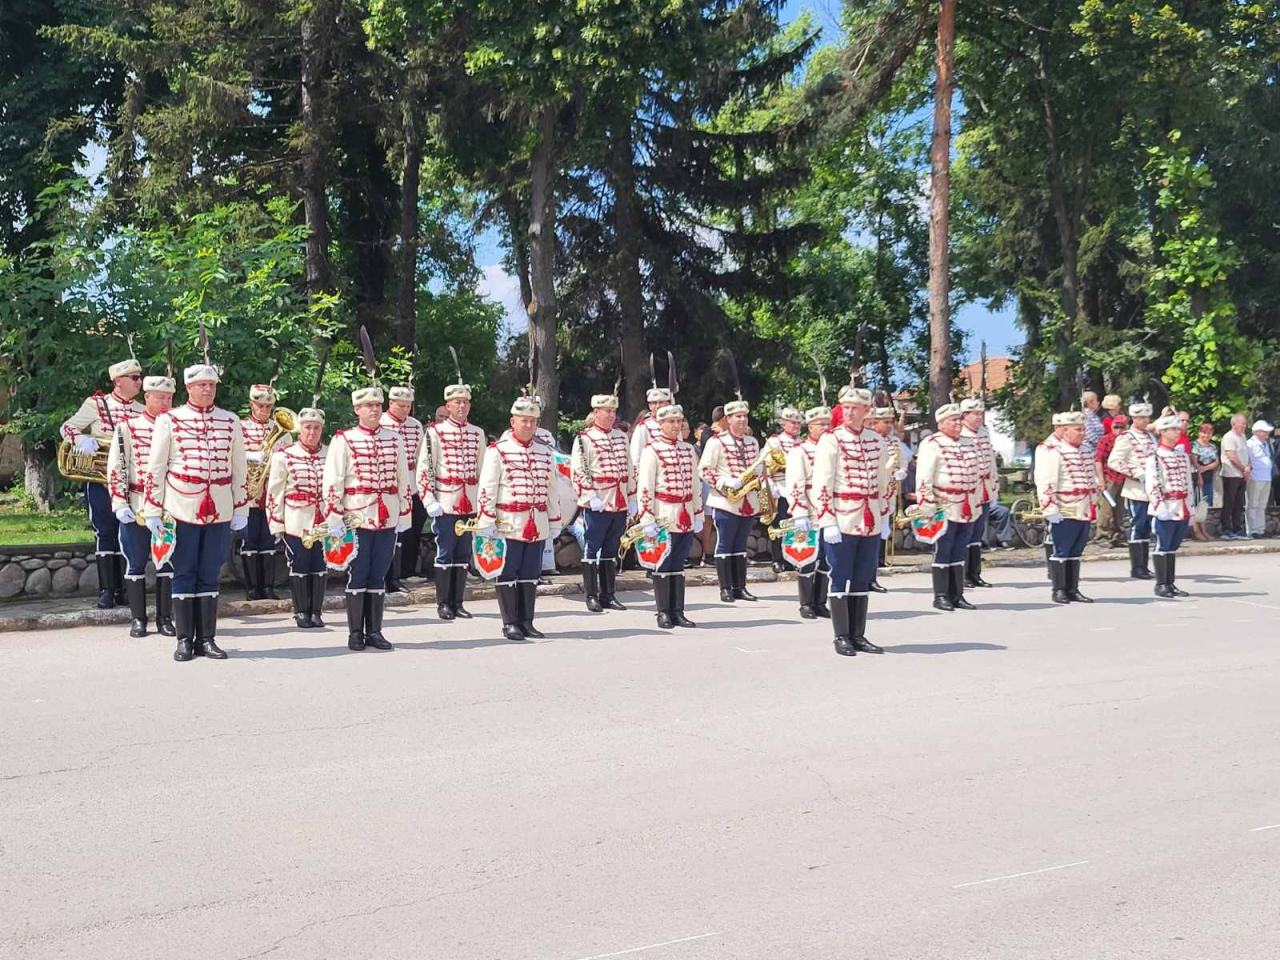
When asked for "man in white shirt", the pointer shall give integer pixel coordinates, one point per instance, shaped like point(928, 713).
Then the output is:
point(1234, 473)
point(1257, 490)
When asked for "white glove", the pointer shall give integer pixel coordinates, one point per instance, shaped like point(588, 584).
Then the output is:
point(900, 474)
point(775, 489)
point(155, 524)
point(802, 525)
point(595, 503)
point(402, 525)
point(253, 456)
point(434, 509)
point(832, 534)
point(86, 444)
point(126, 515)
point(732, 483)
point(239, 521)
point(632, 507)
point(650, 531)
point(489, 531)
point(337, 530)
point(698, 524)
point(1053, 516)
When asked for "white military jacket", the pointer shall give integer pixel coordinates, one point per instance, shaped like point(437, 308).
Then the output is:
point(947, 477)
point(127, 462)
point(517, 484)
point(1129, 457)
point(255, 431)
point(411, 432)
point(367, 472)
point(601, 467)
point(1168, 481)
point(647, 430)
point(667, 485)
point(988, 468)
point(850, 485)
point(799, 476)
point(1066, 480)
point(725, 457)
point(295, 489)
point(196, 471)
point(98, 416)
point(449, 466)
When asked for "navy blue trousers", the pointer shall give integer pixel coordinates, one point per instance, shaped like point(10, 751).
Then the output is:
point(451, 550)
point(198, 555)
point(1170, 534)
point(853, 564)
point(135, 543)
point(106, 528)
point(257, 536)
point(950, 548)
point(674, 563)
point(1139, 520)
point(731, 533)
point(303, 560)
point(524, 562)
point(604, 530)
point(978, 529)
point(1069, 538)
point(368, 571)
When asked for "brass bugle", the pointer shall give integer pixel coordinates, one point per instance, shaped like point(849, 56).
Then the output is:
point(781, 527)
point(353, 519)
point(635, 533)
point(475, 525)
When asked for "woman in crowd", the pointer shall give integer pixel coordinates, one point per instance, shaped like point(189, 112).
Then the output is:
point(1204, 460)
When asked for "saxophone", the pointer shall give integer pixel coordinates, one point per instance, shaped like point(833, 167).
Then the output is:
point(285, 422)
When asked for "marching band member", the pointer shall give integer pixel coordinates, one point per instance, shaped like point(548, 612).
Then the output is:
point(604, 480)
point(399, 417)
point(947, 479)
point(1067, 484)
point(88, 430)
point(258, 546)
point(516, 501)
point(1129, 457)
point(785, 440)
point(366, 471)
point(447, 477)
point(126, 472)
point(1168, 480)
point(294, 509)
point(973, 417)
point(849, 500)
point(647, 427)
point(725, 458)
point(812, 582)
point(882, 421)
point(197, 474)
point(669, 491)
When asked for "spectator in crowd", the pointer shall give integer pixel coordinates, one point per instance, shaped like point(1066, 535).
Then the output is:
point(1204, 460)
point(1111, 405)
point(1257, 492)
point(1094, 430)
point(1234, 470)
point(442, 414)
point(1110, 483)
point(1184, 441)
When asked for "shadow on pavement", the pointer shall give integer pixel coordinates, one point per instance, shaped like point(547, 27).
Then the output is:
point(292, 653)
point(607, 634)
point(942, 647)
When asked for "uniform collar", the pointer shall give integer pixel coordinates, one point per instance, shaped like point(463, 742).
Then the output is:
point(119, 399)
point(523, 443)
point(363, 429)
point(395, 418)
point(456, 423)
point(262, 423)
point(197, 408)
point(311, 450)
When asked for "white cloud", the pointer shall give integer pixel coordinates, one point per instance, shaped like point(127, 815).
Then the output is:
point(504, 289)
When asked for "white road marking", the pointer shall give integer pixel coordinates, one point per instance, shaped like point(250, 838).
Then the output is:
point(1274, 826)
point(1014, 876)
point(743, 650)
point(1100, 629)
point(652, 946)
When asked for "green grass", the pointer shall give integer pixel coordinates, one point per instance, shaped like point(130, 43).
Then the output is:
point(20, 523)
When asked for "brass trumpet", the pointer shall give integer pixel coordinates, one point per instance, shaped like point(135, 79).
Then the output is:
point(86, 467)
point(285, 422)
point(475, 525)
point(635, 533)
point(316, 534)
point(775, 532)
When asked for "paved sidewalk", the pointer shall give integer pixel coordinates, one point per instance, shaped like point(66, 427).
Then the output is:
point(70, 612)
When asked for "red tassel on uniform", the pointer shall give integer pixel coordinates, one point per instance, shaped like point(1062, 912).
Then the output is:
point(966, 512)
point(530, 529)
point(868, 518)
point(683, 521)
point(383, 515)
point(464, 505)
point(208, 509)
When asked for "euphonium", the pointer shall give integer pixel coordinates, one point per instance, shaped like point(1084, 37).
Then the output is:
point(85, 467)
point(635, 533)
point(750, 480)
point(285, 422)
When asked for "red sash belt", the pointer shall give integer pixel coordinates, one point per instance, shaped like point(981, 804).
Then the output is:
point(521, 507)
point(216, 481)
point(379, 490)
point(457, 479)
point(672, 498)
point(306, 499)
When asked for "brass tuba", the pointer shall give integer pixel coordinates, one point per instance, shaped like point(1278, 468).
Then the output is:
point(85, 467)
point(285, 422)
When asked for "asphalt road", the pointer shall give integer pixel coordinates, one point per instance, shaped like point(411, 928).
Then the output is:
point(1025, 781)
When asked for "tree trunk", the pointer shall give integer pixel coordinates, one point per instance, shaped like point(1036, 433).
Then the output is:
point(37, 478)
point(544, 305)
point(407, 296)
point(939, 212)
point(626, 225)
point(315, 203)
